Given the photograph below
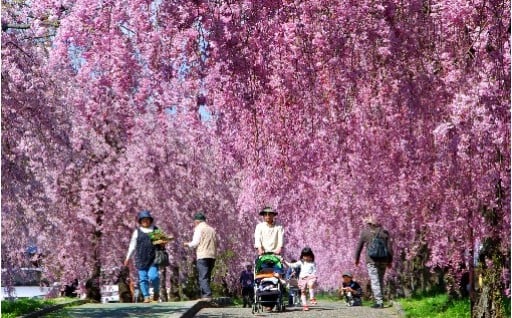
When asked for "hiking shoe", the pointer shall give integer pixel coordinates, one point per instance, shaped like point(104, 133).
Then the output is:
point(147, 300)
point(312, 301)
point(377, 306)
point(305, 308)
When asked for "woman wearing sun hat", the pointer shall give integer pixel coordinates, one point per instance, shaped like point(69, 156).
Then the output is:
point(144, 249)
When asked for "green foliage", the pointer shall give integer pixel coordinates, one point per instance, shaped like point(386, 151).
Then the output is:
point(18, 307)
point(506, 305)
point(436, 306)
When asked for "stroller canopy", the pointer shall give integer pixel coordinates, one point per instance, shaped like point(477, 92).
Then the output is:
point(268, 261)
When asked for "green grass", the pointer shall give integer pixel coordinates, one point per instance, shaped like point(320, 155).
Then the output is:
point(436, 306)
point(15, 308)
point(506, 304)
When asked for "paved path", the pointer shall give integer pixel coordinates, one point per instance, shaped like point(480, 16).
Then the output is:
point(324, 309)
point(118, 310)
point(186, 309)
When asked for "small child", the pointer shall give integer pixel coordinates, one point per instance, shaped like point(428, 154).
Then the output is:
point(307, 276)
point(351, 290)
point(247, 283)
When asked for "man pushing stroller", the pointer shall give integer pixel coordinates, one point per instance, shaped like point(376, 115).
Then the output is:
point(269, 236)
point(268, 240)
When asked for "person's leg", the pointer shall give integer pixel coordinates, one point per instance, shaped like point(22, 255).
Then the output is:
point(154, 278)
point(375, 282)
point(290, 296)
point(202, 269)
point(311, 286)
point(144, 283)
point(381, 271)
point(211, 264)
point(245, 295)
point(302, 286)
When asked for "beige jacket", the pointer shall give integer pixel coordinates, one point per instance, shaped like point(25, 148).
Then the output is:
point(205, 240)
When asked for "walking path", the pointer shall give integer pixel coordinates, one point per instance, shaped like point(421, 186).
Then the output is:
point(181, 309)
point(324, 309)
point(187, 309)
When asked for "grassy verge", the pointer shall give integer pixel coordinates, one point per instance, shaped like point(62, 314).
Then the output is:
point(15, 308)
point(436, 306)
point(23, 306)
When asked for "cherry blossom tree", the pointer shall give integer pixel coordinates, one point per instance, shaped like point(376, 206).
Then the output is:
point(326, 110)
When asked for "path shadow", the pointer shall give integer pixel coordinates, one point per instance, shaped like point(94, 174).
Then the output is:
point(124, 312)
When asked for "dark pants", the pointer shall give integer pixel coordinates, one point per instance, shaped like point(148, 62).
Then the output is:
point(204, 269)
point(247, 295)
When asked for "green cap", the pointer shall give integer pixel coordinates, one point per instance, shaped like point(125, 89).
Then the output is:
point(199, 216)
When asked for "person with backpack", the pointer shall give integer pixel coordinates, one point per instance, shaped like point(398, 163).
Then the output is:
point(379, 255)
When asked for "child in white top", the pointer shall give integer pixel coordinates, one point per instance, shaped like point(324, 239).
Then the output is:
point(307, 276)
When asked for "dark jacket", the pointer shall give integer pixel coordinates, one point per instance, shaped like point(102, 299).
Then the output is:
point(367, 236)
point(357, 294)
point(246, 279)
point(144, 251)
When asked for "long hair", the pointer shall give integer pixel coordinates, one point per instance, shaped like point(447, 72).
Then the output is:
point(307, 251)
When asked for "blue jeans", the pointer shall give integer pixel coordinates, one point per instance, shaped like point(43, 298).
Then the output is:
point(204, 269)
point(147, 275)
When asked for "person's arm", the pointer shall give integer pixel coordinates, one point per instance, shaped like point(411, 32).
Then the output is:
point(280, 240)
point(196, 238)
point(357, 290)
point(390, 250)
point(257, 240)
point(359, 247)
point(131, 247)
point(292, 265)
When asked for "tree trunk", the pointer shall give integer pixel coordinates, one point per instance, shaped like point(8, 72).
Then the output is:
point(174, 280)
point(93, 284)
point(163, 283)
point(488, 298)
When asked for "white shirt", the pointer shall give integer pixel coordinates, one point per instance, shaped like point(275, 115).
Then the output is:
point(306, 268)
point(133, 240)
point(269, 238)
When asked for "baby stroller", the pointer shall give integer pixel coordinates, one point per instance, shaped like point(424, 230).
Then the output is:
point(269, 290)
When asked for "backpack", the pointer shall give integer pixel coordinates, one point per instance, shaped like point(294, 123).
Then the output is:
point(378, 248)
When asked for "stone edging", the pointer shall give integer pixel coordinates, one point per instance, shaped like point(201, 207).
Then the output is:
point(399, 310)
point(217, 302)
point(49, 309)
